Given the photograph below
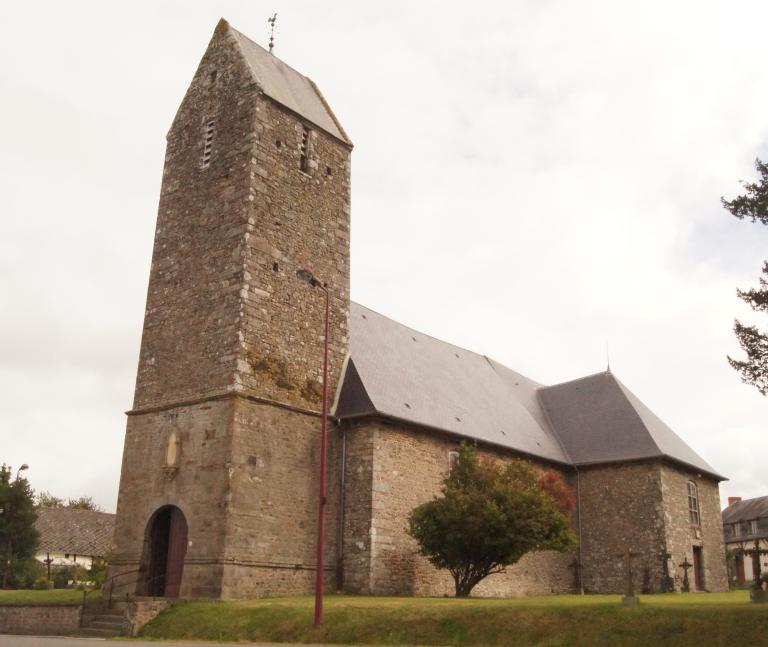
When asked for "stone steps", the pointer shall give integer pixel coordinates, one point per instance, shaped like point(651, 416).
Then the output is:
point(103, 625)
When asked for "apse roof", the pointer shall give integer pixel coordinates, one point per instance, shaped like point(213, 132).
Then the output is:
point(397, 372)
point(288, 87)
point(599, 420)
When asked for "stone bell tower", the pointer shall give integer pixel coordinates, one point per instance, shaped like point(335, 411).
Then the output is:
point(218, 491)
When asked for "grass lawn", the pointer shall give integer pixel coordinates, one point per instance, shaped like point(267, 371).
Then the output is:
point(674, 620)
point(52, 596)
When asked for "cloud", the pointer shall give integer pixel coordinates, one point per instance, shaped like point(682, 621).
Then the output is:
point(530, 180)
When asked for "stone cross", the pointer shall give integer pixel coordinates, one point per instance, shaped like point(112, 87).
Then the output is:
point(48, 561)
point(630, 597)
point(755, 552)
point(576, 566)
point(667, 584)
point(685, 566)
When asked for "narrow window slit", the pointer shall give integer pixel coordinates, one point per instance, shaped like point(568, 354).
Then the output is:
point(306, 149)
point(210, 130)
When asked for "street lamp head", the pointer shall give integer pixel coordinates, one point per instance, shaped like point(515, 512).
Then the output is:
point(309, 278)
point(23, 467)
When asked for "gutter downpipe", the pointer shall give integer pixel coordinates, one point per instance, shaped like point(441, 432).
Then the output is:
point(342, 502)
point(578, 512)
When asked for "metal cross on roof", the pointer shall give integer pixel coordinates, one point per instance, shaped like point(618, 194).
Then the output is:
point(271, 22)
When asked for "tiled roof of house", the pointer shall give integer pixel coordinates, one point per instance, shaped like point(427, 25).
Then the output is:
point(746, 510)
point(78, 532)
point(397, 372)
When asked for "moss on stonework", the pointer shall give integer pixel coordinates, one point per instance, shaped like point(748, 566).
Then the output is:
point(275, 369)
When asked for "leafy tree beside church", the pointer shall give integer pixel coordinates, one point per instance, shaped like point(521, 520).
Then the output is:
point(754, 206)
point(18, 535)
point(489, 516)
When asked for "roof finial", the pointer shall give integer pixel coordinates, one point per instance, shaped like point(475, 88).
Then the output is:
point(271, 22)
point(607, 358)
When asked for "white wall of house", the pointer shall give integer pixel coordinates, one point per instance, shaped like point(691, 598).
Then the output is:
point(65, 559)
point(749, 574)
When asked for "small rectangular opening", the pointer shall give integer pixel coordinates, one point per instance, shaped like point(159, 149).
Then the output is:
point(306, 149)
point(210, 130)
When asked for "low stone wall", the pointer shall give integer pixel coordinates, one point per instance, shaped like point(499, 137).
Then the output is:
point(142, 611)
point(40, 620)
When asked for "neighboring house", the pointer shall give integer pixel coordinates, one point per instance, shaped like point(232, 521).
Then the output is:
point(73, 537)
point(745, 525)
point(219, 486)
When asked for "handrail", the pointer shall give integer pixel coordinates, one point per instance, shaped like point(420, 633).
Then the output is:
point(147, 582)
point(112, 579)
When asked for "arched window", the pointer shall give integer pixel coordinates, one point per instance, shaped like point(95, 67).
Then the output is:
point(693, 503)
point(453, 460)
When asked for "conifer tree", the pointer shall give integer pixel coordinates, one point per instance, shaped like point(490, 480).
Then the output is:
point(18, 535)
point(753, 204)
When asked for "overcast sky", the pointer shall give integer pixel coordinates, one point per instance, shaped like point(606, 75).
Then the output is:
point(531, 180)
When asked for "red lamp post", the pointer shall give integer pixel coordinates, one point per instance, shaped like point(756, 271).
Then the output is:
point(309, 278)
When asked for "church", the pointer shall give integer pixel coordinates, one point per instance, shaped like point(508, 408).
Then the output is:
point(219, 486)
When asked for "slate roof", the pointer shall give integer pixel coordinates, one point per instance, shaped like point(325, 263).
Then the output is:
point(287, 86)
point(77, 532)
point(397, 372)
point(746, 510)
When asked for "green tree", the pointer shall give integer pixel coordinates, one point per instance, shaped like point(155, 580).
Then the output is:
point(84, 503)
point(754, 206)
point(18, 535)
point(48, 500)
point(488, 516)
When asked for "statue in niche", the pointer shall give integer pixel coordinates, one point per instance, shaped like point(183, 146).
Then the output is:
point(172, 452)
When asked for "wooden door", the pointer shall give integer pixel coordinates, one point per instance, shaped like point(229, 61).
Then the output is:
point(698, 566)
point(177, 550)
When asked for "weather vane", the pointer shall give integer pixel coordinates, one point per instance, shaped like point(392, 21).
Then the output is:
point(271, 22)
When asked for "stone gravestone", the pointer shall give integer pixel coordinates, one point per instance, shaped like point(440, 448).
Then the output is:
point(576, 566)
point(667, 583)
point(686, 582)
point(629, 598)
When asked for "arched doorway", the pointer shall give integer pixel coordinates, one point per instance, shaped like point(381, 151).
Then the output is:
point(167, 539)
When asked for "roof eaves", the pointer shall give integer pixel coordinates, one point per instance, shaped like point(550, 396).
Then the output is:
point(651, 457)
point(456, 434)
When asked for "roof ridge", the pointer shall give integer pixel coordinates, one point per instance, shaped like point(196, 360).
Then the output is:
point(623, 390)
point(266, 51)
point(580, 379)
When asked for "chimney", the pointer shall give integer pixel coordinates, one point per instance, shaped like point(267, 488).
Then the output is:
point(733, 499)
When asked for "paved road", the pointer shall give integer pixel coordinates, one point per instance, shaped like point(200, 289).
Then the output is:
point(51, 641)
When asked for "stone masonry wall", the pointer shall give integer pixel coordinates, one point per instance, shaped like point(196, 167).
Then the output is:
point(358, 499)
point(40, 620)
point(295, 220)
point(200, 487)
point(271, 525)
point(621, 509)
point(406, 467)
point(682, 535)
point(192, 321)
